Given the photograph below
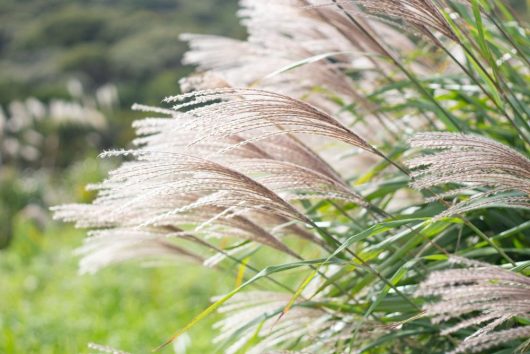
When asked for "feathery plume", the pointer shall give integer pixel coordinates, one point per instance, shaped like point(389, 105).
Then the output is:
point(498, 175)
point(255, 316)
point(303, 50)
point(272, 67)
point(105, 247)
point(282, 163)
point(174, 189)
point(226, 112)
point(487, 295)
point(423, 15)
point(178, 176)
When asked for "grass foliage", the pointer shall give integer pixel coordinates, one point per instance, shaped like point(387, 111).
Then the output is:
point(299, 185)
point(46, 307)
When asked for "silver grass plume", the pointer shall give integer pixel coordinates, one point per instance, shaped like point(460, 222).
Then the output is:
point(282, 32)
point(258, 315)
point(269, 153)
point(243, 309)
point(281, 153)
point(243, 110)
point(161, 189)
point(105, 247)
point(179, 178)
point(422, 15)
point(319, 27)
point(177, 134)
point(321, 39)
point(486, 296)
point(258, 116)
point(495, 174)
point(248, 64)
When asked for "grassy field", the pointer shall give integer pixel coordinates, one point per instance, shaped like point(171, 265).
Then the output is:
point(46, 307)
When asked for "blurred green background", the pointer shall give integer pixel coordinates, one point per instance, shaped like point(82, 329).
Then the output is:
point(130, 43)
point(64, 65)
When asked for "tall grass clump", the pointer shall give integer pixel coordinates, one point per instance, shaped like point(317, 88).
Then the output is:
point(361, 167)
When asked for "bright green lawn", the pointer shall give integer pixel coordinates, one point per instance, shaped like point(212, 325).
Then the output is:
point(46, 307)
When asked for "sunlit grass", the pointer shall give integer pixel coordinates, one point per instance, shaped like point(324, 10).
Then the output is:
point(46, 307)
